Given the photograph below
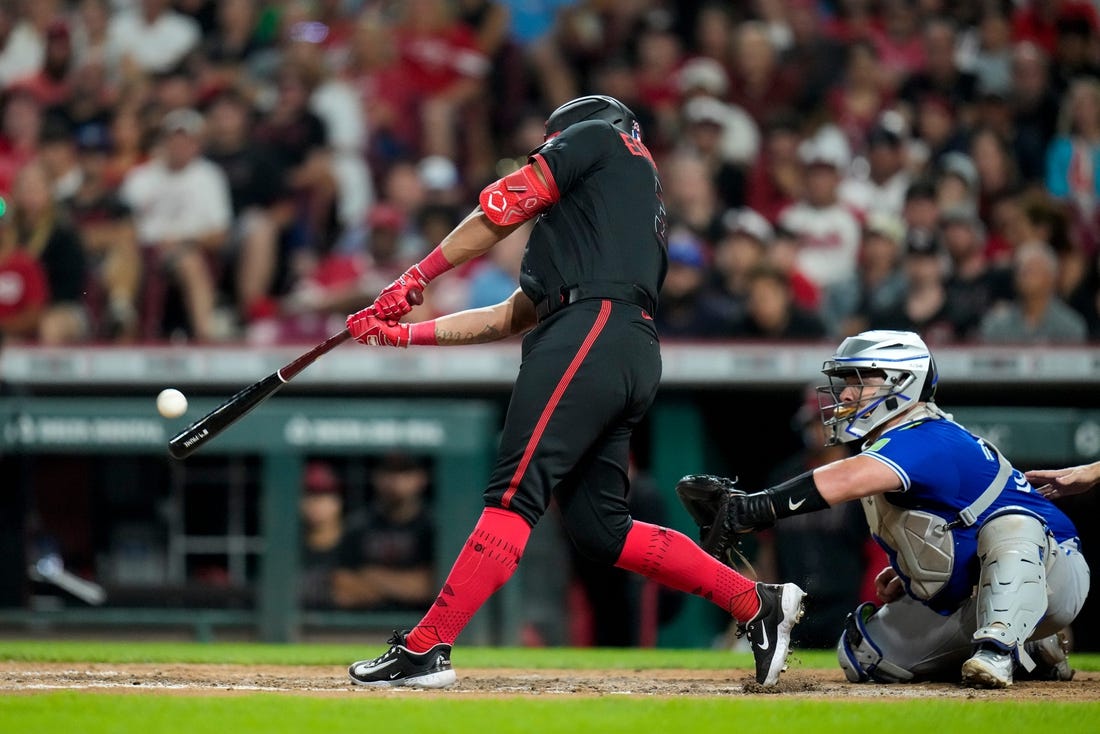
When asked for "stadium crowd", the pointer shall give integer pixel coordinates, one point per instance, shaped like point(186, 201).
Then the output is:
point(252, 171)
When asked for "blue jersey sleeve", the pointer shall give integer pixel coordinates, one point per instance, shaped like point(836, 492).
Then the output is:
point(917, 457)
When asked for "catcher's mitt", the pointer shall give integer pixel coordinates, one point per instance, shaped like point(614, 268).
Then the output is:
point(707, 499)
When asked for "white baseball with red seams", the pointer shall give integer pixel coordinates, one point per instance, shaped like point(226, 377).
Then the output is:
point(171, 403)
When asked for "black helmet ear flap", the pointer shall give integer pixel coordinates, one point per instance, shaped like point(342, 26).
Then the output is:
point(928, 391)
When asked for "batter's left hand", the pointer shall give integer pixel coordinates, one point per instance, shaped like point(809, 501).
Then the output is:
point(367, 328)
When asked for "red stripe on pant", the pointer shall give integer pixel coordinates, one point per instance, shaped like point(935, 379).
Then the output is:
point(555, 398)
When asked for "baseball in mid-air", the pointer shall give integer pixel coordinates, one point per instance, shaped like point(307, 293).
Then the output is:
point(171, 403)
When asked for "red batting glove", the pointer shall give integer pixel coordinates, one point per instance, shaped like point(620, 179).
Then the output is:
point(369, 329)
point(393, 302)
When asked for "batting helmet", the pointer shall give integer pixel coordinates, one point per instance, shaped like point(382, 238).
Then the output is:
point(593, 107)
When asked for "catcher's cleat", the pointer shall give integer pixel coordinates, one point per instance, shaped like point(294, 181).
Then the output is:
point(400, 666)
point(769, 632)
point(1050, 654)
point(988, 668)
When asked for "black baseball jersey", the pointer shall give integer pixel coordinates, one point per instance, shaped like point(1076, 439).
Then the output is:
point(609, 223)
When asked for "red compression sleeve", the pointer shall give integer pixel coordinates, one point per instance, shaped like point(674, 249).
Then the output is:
point(422, 333)
point(674, 560)
point(434, 264)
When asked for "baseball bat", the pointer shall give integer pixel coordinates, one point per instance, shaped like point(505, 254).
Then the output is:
point(196, 435)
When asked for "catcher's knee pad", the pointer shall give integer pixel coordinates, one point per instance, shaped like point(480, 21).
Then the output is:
point(1012, 592)
point(860, 658)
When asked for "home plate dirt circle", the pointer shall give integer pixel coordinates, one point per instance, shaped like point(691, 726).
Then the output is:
point(207, 679)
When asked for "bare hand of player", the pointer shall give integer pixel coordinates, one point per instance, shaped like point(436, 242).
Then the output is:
point(1055, 483)
point(888, 586)
point(398, 298)
point(367, 328)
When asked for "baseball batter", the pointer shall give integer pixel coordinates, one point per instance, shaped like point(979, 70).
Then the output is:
point(591, 364)
point(984, 571)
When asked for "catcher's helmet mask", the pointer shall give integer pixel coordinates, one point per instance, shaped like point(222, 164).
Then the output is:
point(900, 358)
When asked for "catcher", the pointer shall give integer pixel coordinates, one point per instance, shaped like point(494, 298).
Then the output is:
point(950, 511)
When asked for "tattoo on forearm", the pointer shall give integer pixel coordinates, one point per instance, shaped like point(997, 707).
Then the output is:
point(488, 334)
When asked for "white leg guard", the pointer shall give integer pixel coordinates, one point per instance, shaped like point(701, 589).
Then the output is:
point(1012, 592)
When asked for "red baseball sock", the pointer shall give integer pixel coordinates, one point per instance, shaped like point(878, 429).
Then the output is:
point(671, 558)
point(486, 562)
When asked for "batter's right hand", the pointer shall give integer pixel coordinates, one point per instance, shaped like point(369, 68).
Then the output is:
point(367, 328)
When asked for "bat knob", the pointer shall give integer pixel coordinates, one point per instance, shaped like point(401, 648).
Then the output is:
point(415, 296)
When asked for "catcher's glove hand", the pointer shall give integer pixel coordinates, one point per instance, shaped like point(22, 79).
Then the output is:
point(722, 511)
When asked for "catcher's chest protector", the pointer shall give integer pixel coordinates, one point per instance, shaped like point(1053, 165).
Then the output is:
point(925, 547)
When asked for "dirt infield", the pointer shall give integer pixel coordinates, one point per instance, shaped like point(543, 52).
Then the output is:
point(205, 679)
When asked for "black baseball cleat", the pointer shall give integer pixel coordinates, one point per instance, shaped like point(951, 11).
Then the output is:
point(769, 632)
point(400, 666)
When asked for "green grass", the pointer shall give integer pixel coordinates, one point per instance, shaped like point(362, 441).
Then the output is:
point(64, 651)
point(363, 712)
point(415, 712)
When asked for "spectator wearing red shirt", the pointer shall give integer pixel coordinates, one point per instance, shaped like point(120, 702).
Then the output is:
point(444, 69)
point(759, 84)
point(1037, 20)
point(52, 85)
point(24, 292)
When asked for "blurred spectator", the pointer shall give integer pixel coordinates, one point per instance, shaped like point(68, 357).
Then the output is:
point(1034, 109)
point(1073, 161)
point(20, 128)
point(231, 49)
point(261, 209)
point(921, 210)
point(150, 37)
point(110, 242)
point(445, 69)
point(707, 123)
point(690, 194)
point(827, 230)
point(52, 84)
point(296, 141)
point(957, 182)
point(992, 64)
point(1075, 53)
point(759, 85)
point(997, 171)
point(813, 56)
point(90, 31)
point(40, 227)
point(923, 308)
point(856, 100)
point(899, 43)
point(659, 55)
point(24, 290)
point(941, 79)
point(129, 145)
point(22, 32)
point(975, 285)
point(57, 154)
point(741, 248)
point(1037, 315)
point(775, 180)
point(770, 312)
point(388, 100)
point(1037, 20)
point(182, 211)
point(1047, 220)
point(879, 284)
point(687, 310)
point(887, 178)
point(388, 554)
point(322, 511)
